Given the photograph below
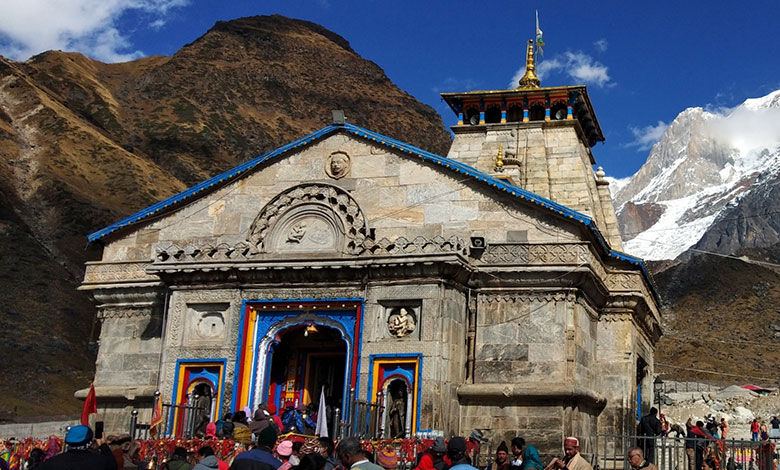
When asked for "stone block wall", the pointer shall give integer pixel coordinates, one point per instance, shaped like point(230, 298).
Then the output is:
point(621, 345)
point(554, 162)
point(534, 371)
point(440, 337)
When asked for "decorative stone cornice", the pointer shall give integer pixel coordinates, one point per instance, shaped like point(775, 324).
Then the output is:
point(224, 255)
point(104, 273)
point(623, 281)
point(525, 297)
point(126, 312)
point(532, 253)
point(418, 245)
point(124, 393)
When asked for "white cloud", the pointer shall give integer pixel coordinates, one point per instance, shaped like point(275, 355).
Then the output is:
point(747, 129)
point(601, 45)
point(646, 137)
point(29, 27)
point(576, 65)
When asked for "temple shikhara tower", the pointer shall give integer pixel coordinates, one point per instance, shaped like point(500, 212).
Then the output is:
point(484, 289)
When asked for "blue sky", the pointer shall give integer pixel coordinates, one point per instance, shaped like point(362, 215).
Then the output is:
point(643, 62)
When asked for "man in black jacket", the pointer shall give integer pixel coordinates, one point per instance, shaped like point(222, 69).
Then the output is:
point(649, 428)
point(79, 456)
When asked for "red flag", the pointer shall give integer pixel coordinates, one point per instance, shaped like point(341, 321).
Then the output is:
point(157, 418)
point(90, 406)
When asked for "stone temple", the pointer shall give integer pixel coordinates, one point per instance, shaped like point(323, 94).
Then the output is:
point(484, 289)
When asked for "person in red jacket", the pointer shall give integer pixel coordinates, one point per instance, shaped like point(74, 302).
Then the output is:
point(433, 458)
point(754, 428)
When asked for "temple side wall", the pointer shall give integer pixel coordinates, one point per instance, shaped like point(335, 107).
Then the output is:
point(620, 348)
point(127, 366)
point(534, 374)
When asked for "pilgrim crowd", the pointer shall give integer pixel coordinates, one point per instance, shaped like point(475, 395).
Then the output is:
point(261, 445)
point(270, 442)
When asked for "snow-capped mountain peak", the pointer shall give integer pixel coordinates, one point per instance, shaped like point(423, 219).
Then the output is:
point(703, 166)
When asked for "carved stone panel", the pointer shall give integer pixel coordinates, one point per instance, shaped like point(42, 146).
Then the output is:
point(338, 165)
point(310, 218)
point(400, 319)
point(205, 323)
point(309, 229)
point(401, 322)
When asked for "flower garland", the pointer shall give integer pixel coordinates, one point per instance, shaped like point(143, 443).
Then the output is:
point(160, 449)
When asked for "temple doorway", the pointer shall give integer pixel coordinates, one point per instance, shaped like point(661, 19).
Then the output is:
point(307, 358)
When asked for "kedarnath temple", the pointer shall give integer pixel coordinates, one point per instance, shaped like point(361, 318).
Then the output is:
point(483, 290)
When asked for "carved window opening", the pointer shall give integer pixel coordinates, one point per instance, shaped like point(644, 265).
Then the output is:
point(493, 115)
point(472, 116)
point(514, 113)
point(558, 112)
point(536, 112)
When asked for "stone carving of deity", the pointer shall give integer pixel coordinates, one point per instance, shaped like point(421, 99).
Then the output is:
point(401, 323)
point(297, 232)
point(397, 417)
point(338, 165)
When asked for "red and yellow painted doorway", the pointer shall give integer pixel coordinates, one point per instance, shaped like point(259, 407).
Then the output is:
point(288, 349)
point(191, 375)
point(399, 378)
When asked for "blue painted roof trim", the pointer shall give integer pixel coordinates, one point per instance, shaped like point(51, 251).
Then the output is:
point(208, 184)
point(458, 167)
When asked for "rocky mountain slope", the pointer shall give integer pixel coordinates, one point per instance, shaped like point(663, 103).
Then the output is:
point(721, 315)
point(708, 184)
point(711, 186)
point(83, 143)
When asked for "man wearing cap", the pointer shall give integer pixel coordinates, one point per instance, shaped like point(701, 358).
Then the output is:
point(456, 451)
point(351, 455)
point(259, 458)
point(79, 456)
point(387, 457)
point(572, 459)
point(502, 458)
point(433, 458)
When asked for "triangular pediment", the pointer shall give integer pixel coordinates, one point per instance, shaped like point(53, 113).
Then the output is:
point(346, 191)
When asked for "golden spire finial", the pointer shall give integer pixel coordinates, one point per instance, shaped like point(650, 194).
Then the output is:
point(500, 158)
point(529, 80)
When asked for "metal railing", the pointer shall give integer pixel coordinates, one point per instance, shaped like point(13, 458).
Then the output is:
point(179, 421)
point(679, 453)
point(364, 419)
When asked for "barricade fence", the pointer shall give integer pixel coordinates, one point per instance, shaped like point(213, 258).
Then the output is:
point(680, 453)
point(178, 421)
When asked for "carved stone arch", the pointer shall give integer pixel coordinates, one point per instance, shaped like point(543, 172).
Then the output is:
point(330, 212)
